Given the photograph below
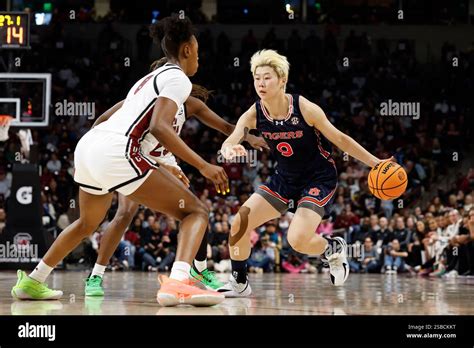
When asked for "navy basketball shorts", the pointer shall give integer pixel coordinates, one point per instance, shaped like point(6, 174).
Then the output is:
point(289, 194)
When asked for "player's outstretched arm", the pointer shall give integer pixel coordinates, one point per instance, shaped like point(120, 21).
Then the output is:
point(315, 116)
point(161, 127)
point(106, 115)
point(231, 146)
point(204, 114)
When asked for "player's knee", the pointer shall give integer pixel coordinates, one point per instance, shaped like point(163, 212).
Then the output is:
point(239, 225)
point(235, 227)
point(124, 217)
point(86, 226)
point(200, 209)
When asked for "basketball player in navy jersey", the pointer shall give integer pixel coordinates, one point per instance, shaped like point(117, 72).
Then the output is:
point(305, 178)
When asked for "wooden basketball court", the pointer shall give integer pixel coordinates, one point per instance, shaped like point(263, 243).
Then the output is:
point(134, 293)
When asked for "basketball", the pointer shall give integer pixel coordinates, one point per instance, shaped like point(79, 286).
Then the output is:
point(387, 180)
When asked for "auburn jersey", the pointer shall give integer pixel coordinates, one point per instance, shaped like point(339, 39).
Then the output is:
point(299, 149)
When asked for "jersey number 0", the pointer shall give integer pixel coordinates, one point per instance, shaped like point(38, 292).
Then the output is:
point(285, 149)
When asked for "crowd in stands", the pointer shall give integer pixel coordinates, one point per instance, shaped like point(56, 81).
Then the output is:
point(407, 235)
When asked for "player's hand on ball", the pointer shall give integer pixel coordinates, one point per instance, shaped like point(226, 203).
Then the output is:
point(257, 143)
point(177, 173)
point(231, 151)
point(391, 159)
point(218, 176)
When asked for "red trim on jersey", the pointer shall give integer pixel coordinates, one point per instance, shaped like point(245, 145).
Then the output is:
point(136, 159)
point(268, 117)
point(318, 202)
point(142, 125)
point(323, 152)
point(274, 194)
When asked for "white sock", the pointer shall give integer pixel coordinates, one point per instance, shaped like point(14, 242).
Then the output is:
point(200, 265)
point(180, 270)
point(98, 270)
point(41, 272)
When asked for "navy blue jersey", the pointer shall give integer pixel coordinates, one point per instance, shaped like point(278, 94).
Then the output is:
point(299, 149)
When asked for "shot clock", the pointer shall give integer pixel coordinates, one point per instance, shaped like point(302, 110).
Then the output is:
point(14, 30)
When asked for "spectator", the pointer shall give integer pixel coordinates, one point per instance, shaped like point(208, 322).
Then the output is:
point(382, 236)
point(54, 164)
point(416, 247)
point(297, 263)
point(262, 258)
point(401, 233)
point(154, 251)
point(395, 258)
point(3, 218)
point(5, 184)
point(369, 262)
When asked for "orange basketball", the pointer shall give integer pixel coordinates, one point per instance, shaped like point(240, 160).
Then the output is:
point(387, 180)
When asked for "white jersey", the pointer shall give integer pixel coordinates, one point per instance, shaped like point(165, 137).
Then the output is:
point(110, 157)
point(133, 118)
point(158, 151)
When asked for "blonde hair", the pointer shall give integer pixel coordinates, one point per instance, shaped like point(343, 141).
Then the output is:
point(270, 58)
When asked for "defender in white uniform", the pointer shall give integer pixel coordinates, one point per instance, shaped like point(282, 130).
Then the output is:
point(123, 165)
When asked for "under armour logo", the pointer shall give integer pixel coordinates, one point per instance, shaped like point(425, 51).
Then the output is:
point(279, 123)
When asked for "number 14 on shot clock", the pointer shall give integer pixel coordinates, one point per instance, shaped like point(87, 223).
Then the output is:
point(14, 30)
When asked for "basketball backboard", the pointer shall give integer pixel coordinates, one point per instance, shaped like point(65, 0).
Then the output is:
point(26, 97)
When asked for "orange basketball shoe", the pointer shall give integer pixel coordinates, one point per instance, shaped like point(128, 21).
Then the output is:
point(173, 292)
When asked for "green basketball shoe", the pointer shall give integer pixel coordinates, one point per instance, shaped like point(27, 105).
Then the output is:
point(207, 278)
point(94, 286)
point(27, 288)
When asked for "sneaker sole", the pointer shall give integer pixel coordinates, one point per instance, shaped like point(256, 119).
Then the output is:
point(234, 294)
point(94, 294)
point(19, 294)
point(169, 300)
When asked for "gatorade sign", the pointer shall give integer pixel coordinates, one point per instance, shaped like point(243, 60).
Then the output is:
point(24, 195)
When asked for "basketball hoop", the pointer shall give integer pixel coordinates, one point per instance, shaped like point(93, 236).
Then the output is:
point(5, 121)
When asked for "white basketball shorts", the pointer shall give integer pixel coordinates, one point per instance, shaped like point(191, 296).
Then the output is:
point(106, 162)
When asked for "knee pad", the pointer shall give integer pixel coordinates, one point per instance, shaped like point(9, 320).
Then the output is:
point(242, 225)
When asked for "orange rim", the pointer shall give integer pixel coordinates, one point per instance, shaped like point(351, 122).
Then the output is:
point(5, 119)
